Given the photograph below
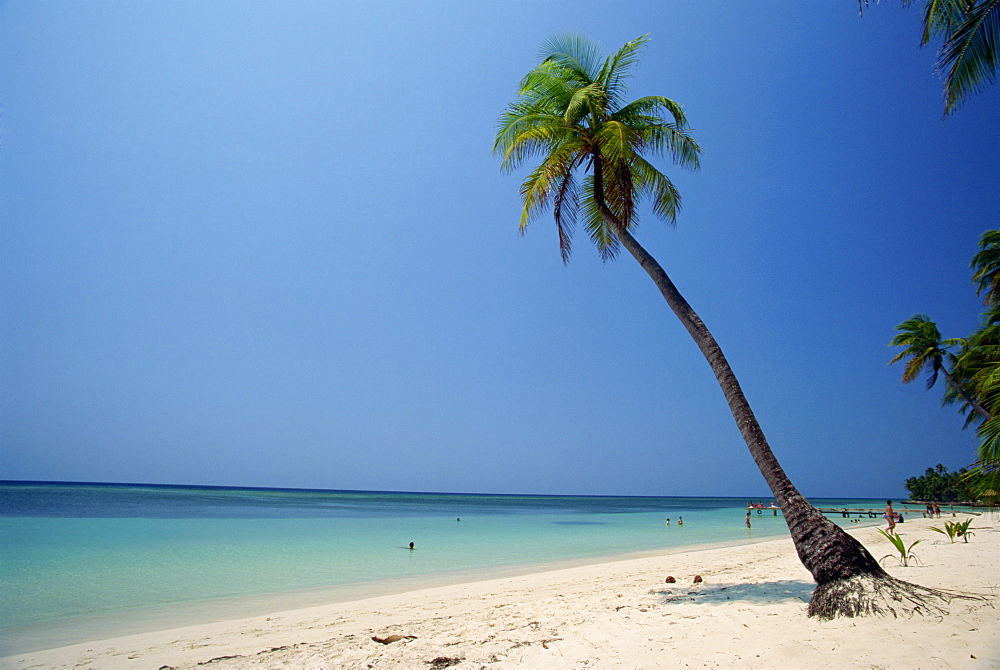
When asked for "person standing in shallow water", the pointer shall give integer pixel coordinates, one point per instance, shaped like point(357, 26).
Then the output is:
point(680, 521)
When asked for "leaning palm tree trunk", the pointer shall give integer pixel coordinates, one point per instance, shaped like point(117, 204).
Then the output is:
point(979, 409)
point(850, 582)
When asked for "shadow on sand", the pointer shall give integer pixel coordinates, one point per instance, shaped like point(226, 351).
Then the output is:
point(717, 594)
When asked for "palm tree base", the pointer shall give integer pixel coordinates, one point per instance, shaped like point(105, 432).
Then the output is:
point(879, 595)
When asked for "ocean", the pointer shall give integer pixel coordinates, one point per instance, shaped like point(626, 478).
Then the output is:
point(90, 561)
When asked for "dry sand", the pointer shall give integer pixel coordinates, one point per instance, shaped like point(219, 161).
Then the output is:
point(749, 612)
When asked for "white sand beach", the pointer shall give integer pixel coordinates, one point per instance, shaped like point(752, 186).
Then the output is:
point(748, 612)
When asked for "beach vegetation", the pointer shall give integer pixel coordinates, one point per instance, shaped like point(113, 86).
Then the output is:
point(949, 530)
point(903, 553)
point(969, 31)
point(594, 151)
point(971, 366)
point(955, 529)
point(962, 528)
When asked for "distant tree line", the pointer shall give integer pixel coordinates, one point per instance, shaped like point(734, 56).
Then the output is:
point(939, 485)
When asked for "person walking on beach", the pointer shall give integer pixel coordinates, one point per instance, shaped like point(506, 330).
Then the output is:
point(890, 516)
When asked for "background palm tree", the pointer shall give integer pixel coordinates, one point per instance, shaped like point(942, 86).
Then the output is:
point(927, 351)
point(571, 112)
point(981, 365)
point(974, 378)
point(986, 268)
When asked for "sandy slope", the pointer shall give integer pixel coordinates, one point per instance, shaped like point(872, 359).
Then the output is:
point(748, 613)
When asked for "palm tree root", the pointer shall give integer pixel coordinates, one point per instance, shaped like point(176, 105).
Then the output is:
point(879, 595)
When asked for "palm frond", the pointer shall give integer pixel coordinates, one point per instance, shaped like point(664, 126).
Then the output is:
point(654, 106)
point(549, 85)
point(584, 100)
point(969, 56)
point(969, 30)
point(564, 208)
point(657, 186)
point(940, 17)
point(986, 268)
point(677, 144)
point(597, 226)
point(617, 69)
point(989, 445)
point(522, 141)
point(616, 141)
point(550, 173)
point(574, 52)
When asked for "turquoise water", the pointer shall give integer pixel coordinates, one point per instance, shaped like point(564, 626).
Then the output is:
point(79, 562)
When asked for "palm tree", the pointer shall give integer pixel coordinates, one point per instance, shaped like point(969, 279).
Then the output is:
point(927, 351)
point(968, 57)
point(572, 113)
point(974, 380)
point(986, 267)
point(970, 30)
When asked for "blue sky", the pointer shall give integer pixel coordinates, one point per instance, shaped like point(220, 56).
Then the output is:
point(266, 244)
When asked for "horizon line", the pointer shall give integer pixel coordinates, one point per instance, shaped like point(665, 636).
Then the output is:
point(5, 482)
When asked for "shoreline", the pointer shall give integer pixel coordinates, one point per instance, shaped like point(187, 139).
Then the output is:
point(85, 562)
point(748, 612)
point(47, 635)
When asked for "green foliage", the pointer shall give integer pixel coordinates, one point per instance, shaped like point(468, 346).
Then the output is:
point(963, 529)
point(955, 529)
point(983, 479)
point(986, 267)
point(968, 56)
point(905, 554)
point(971, 367)
point(571, 112)
point(969, 31)
point(949, 529)
point(924, 348)
point(939, 485)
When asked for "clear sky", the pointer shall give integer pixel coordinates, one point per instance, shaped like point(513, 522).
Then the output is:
point(266, 244)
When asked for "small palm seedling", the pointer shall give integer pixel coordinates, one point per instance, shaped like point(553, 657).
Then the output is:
point(949, 529)
point(905, 553)
point(963, 529)
point(955, 529)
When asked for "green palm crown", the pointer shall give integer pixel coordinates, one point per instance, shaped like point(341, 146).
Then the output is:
point(571, 111)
